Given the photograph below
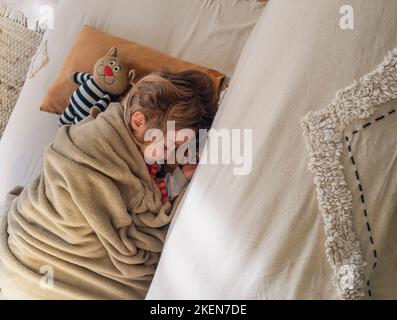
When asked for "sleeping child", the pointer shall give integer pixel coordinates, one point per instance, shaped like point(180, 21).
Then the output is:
point(92, 225)
point(188, 99)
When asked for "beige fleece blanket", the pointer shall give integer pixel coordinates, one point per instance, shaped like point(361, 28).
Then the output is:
point(91, 226)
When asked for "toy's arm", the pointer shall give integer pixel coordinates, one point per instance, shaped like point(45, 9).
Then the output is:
point(104, 102)
point(67, 117)
point(79, 77)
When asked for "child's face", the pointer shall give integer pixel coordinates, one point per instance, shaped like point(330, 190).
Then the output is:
point(169, 142)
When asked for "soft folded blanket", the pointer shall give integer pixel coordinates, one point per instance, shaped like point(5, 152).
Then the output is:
point(93, 219)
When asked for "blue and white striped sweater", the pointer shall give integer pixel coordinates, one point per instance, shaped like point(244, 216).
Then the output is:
point(83, 99)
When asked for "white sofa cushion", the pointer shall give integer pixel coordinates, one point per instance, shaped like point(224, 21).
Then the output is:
point(262, 236)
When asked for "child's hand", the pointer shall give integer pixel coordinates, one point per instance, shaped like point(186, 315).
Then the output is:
point(188, 170)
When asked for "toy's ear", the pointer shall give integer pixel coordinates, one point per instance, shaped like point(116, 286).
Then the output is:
point(112, 52)
point(131, 76)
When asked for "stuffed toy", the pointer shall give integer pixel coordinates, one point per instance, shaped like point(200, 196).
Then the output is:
point(111, 78)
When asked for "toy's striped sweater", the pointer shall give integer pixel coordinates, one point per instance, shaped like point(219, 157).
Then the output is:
point(83, 99)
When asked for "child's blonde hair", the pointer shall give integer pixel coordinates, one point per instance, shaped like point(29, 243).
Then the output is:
point(188, 98)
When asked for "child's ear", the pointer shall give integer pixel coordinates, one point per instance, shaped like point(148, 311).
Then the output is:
point(112, 52)
point(138, 121)
point(131, 76)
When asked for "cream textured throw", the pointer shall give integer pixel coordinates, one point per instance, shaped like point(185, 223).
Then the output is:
point(93, 219)
point(18, 44)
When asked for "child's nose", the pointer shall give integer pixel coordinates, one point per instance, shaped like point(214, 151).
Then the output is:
point(108, 71)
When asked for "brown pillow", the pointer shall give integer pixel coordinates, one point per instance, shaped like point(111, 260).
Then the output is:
point(91, 44)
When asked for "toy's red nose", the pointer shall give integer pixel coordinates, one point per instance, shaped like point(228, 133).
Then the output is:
point(108, 71)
